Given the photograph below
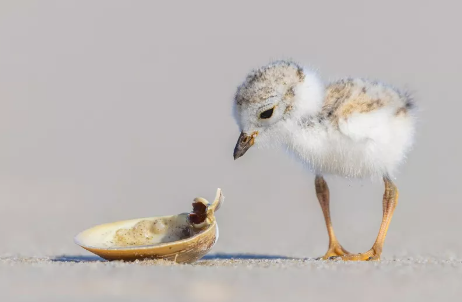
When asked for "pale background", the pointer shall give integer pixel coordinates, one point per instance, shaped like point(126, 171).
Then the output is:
point(113, 110)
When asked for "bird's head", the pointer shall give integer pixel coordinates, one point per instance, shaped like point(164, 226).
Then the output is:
point(270, 97)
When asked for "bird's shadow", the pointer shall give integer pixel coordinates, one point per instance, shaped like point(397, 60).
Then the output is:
point(218, 256)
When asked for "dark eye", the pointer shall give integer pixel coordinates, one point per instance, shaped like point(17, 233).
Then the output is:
point(267, 114)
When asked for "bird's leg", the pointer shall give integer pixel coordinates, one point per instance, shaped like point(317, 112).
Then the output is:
point(322, 191)
point(390, 200)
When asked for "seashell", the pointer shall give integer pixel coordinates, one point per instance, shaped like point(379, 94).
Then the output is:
point(183, 238)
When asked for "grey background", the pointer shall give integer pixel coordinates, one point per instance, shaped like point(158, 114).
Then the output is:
point(113, 110)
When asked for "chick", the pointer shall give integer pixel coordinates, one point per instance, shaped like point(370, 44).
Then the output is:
point(353, 128)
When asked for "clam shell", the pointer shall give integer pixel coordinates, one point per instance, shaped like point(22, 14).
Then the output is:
point(183, 238)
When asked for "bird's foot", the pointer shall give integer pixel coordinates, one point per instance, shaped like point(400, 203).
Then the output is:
point(335, 250)
point(371, 255)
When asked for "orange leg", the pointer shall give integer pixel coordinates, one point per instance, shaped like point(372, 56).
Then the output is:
point(322, 191)
point(390, 200)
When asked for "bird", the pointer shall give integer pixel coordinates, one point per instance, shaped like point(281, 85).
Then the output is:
point(351, 127)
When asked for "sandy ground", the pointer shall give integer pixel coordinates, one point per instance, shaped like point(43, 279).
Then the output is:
point(113, 110)
point(241, 279)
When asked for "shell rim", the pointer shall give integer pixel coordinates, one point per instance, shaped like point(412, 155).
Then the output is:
point(143, 247)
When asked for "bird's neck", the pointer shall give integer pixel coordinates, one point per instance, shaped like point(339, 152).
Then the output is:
point(308, 96)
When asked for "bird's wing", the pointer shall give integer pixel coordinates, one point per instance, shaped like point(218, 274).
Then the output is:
point(364, 110)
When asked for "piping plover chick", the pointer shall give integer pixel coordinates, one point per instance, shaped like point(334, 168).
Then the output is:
point(353, 128)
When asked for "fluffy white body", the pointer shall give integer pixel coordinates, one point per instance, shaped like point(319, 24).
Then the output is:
point(351, 127)
point(365, 145)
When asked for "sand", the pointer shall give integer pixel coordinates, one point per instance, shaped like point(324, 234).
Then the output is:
point(241, 279)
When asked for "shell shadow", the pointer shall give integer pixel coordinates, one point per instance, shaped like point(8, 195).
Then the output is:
point(77, 258)
point(218, 256)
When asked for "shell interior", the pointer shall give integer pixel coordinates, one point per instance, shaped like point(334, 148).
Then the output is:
point(138, 233)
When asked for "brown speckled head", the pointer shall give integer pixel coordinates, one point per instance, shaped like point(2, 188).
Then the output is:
point(276, 79)
point(269, 97)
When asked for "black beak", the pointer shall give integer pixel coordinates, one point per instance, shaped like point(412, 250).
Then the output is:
point(243, 144)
